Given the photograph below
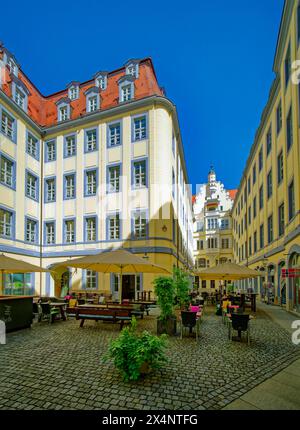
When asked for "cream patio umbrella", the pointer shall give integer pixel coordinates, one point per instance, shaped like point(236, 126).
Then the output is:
point(227, 271)
point(117, 261)
point(11, 265)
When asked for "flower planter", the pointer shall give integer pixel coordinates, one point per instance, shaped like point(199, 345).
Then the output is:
point(167, 327)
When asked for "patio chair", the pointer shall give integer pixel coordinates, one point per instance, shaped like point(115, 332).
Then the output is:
point(36, 310)
point(189, 320)
point(239, 323)
point(48, 312)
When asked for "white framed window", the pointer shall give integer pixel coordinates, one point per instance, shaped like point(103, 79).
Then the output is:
point(50, 190)
point(70, 146)
point(100, 82)
point(20, 98)
point(91, 183)
point(114, 173)
point(12, 66)
point(140, 128)
point(31, 186)
point(32, 146)
point(140, 225)
point(69, 236)
point(69, 186)
point(7, 172)
point(7, 125)
point(132, 68)
point(51, 151)
point(63, 113)
point(73, 92)
point(91, 280)
point(6, 223)
point(114, 227)
point(114, 132)
point(92, 104)
point(90, 226)
point(126, 93)
point(50, 233)
point(31, 231)
point(139, 174)
point(91, 140)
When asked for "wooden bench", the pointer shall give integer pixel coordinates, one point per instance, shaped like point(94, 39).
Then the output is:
point(108, 315)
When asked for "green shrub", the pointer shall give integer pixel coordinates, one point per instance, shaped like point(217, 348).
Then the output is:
point(182, 290)
point(130, 351)
point(164, 289)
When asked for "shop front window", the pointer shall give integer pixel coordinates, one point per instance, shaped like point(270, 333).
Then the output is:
point(19, 284)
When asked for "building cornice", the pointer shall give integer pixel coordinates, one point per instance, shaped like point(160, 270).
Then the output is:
point(283, 33)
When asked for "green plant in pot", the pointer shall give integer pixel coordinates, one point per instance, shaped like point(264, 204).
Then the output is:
point(136, 354)
point(182, 289)
point(164, 289)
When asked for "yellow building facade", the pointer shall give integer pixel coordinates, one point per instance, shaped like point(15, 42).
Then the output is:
point(104, 179)
point(266, 212)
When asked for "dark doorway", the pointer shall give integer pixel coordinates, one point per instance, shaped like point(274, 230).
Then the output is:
point(128, 287)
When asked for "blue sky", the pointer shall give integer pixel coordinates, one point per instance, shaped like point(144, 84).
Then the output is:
point(214, 59)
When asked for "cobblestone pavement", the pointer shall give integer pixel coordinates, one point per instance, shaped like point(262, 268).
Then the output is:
point(60, 367)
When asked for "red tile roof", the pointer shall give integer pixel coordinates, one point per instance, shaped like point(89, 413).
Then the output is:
point(43, 110)
point(232, 194)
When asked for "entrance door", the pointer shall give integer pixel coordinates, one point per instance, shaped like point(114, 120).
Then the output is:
point(128, 287)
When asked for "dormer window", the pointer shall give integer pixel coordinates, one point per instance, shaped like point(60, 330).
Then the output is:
point(73, 90)
point(20, 98)
point(63, 109)
point(20, 93)
point(126, 93)
point(12, 67)
point(132, 68)
point(126, 88)
point(101, 80)
point(63, 113)
point(92, 99)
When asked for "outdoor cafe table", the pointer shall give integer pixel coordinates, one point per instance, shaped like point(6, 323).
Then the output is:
point(61, 307)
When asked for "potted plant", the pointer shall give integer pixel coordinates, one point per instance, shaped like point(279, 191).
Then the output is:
point(165, 292)
point(136, 354)
point(182, 289)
